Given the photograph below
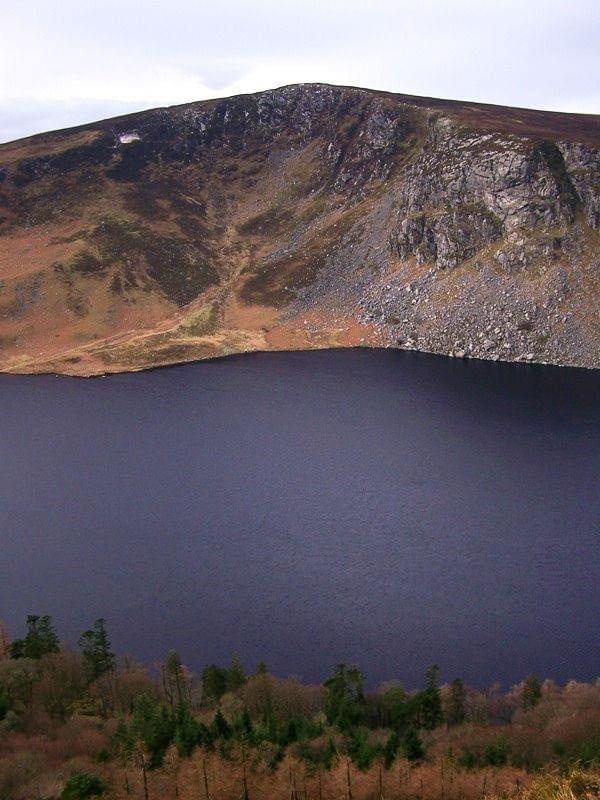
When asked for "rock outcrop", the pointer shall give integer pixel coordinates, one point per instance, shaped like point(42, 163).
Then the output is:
point(307, 216)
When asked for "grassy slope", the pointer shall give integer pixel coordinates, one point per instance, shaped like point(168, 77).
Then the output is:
point(124, 256)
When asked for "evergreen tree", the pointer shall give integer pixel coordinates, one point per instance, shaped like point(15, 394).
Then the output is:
point(123, 740)
point(244, 724)
point(236, 677)
point(39, 640)
point(396, 708)
point(95, 648)
point(205, 737)
point(430, 701)
point(532, 691)
point(220, 728)
point(330, 754)
point(153, 727)
point(412, 745)
point(390, 749)
point(345, 702)
point(455, 712)
point(289, 734)
point(173, 679)
point(359, 748)
point(188, 731)
point(214, 682)
point(272, 728)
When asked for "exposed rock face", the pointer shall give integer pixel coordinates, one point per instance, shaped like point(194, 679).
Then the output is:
point(468, 191)
point(307, 216)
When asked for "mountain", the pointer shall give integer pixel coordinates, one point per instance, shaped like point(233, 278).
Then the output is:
point(308, 216)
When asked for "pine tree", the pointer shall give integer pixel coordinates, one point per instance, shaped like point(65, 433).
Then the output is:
point(396, 708)
point(290, 733)
point(123, 740)
point(345, 704)
point(173, 680)
point(236, 677)
point(430, 701)
point(532, 691)
point(39, 640)
point(359, 748)
point(329, 754)
point(214, 682)
point(153, 727)
point(245, 726)
point(95, 648)
point(188, 731)
point(412, 745)
point(390, 750)
point(220, 728)
point(455, 712)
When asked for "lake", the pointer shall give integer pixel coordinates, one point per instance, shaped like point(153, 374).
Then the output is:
point(389, 508)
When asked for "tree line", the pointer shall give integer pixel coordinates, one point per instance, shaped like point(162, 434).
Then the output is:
point(227, 710)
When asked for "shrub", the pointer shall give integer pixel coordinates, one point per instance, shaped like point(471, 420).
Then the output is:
point(589, 752)
point(467, 759)
point(82, 785)
point(496, 753)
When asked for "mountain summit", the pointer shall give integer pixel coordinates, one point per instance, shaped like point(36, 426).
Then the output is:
point(304, 217)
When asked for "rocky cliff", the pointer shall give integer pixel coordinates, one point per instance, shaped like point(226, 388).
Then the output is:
point(308, 216)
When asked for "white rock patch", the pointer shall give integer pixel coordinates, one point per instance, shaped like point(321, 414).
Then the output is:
point(128, 138)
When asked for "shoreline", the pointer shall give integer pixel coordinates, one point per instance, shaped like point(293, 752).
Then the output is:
point(218, 357)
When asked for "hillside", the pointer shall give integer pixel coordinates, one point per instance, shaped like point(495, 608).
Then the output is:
point(308, 216)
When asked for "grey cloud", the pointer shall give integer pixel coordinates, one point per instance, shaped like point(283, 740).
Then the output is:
point(83, 59)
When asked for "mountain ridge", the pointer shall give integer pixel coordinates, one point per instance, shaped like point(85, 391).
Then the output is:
point(306, 216)
point(588, 132)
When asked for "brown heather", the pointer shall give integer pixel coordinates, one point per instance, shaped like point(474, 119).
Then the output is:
point(60, 724)
point(303, 217)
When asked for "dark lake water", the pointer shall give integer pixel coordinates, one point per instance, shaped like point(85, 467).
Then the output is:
point(388, 508)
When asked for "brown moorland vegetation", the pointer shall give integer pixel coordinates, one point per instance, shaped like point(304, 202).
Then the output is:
point(302, 217)
point(80, 723)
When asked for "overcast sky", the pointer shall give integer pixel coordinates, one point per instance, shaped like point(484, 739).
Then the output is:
point(64, 62)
